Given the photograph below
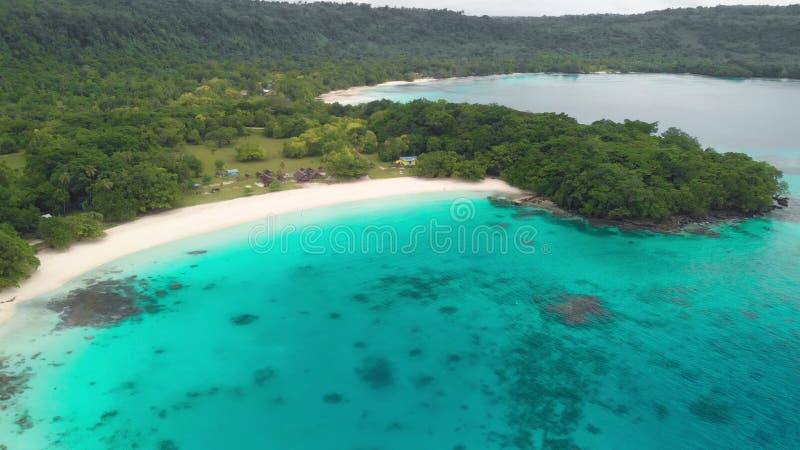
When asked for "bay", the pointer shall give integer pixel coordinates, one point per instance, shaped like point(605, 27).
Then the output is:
point(754, 116)
point(568, 335)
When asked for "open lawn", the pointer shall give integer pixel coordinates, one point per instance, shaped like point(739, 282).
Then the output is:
point(382, 169)
point(233, 187)
point(272, 149)
point(14, 160)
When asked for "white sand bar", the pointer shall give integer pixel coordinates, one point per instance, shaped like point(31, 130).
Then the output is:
point(352, 96)
point(59, 267)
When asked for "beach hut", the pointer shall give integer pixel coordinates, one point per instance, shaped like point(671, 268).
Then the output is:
point(406, 161)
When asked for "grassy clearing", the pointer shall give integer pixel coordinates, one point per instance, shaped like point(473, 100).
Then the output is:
point(14, 160)
point(272, 149)
point(234, 187)
point(229, 192)
point(382, 169)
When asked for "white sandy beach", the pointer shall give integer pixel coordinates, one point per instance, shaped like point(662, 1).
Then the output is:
point(58, 268)
point(353, 94)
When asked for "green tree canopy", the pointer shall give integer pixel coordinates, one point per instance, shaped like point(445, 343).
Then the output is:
point(438, 164)
point(249, 151)
point(17, 258)
point(343, 163)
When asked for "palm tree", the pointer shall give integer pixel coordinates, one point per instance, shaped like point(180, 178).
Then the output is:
point(90, 173)
point(64, 179)
point(103, 184)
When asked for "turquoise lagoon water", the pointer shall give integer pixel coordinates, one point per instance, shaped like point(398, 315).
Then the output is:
point(755, 116)
point(576, 337)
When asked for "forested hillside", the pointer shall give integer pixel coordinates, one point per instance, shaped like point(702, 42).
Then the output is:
point(761, 41)
point(604, 169)
point(105, 105)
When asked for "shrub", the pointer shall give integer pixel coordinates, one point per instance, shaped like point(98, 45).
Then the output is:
point(438, 164)
point(295, 148)
point(345, 163)
point(249, 152)
point(17, 259)
point(61, 232)
point(470, 170)
point(392, 149)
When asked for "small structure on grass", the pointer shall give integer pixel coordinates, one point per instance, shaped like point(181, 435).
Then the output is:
point(406, 161)
point(304, 175)
point(266, 177)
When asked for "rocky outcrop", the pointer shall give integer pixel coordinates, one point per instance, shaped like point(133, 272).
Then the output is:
point(678, 223)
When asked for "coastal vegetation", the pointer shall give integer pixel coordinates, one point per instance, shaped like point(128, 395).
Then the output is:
point(604, 169)
point(352, 44)
point(109, 110)
point(61, 232)
point(17, 258)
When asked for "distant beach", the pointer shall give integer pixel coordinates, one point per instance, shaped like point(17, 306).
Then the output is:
point(59, 267)
point(353, 95)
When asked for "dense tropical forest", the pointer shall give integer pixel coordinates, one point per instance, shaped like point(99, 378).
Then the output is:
point(605, 169)
point(728, 41)
point(110, 109)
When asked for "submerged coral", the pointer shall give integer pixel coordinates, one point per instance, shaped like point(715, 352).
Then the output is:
point(449, 310)
point(524, 213)
point(377, 372)
point(500, 201)
point(423, 287)
point(548, 384)
point(244, 319)
point(11, 384)
point(360, 298)
point(25, 422)
point(332, 398)
point(261, 376)
point(167, 444)
point(712, 410)
point(102, 304)
point(578, 309)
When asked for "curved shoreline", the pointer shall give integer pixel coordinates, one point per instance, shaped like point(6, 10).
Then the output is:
point(352, 95)
point(353, 92)
point(59, 267)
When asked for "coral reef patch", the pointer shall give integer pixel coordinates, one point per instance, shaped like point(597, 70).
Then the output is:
point(712, 410)
point(575, 310)
point(377, 372)
point(244, 319)
point(101, 304)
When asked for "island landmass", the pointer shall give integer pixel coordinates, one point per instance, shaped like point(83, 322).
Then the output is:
point(103, 119)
